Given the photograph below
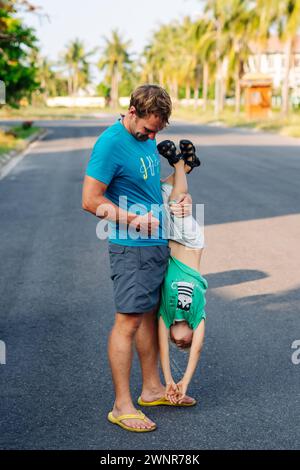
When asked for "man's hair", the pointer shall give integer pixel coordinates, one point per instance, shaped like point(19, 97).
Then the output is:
point(151, 99)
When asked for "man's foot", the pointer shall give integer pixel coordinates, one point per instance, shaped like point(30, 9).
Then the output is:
point(131, 422)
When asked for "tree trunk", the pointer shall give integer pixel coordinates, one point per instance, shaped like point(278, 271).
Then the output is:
point(45, 88)
point(205, 86)
point(218, 81)
point(285, 84)
point(237, 88)
point(150, 77)
point(114, 86)
point(188, 91)
point(223, 83)
point(258, 57)
point(196, 97)
point(75, 81)
point(197, 85)
point(174, 90)
point(218, 85)
point(70, 83)
point(161, 78)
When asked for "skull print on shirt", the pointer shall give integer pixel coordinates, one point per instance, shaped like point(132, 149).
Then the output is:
point(185, 292)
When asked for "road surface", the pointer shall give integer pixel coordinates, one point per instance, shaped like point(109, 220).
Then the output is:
point(56, 306)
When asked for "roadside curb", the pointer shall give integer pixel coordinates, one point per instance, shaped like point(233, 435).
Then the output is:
point(10, 159)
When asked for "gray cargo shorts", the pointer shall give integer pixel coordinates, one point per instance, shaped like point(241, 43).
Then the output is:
point(137, 273)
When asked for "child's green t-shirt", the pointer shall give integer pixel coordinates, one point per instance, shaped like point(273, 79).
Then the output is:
point(183, 294)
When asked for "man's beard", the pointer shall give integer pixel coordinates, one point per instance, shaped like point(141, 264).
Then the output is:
point(140, 137)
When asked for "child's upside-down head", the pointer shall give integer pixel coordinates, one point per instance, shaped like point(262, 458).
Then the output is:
point(181, 334)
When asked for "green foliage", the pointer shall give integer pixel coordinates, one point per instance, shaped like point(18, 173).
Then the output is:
point(17, 70)
point(103, 90)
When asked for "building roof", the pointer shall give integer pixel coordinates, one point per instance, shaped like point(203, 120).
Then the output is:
point(256, 79)
point(274, 46)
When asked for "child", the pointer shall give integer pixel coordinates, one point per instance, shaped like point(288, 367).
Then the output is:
point(181, 313)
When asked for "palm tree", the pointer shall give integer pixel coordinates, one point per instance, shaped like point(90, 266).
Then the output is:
point(284, 15)
point(147, 64)
point(166, 58)
point(219, 12)
point(114, 61)
point(75, 57)
point(153, 60)
point(190, 59)
point(206, 46)
point(230, 28)
point(264, 20)
point(47, 77)
point(288, 25)
point(240, 30)
point(218, 46)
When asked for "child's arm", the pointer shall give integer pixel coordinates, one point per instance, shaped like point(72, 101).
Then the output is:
point(196, 348)
point(163, 336)
point(180, 201)
point(180, 185)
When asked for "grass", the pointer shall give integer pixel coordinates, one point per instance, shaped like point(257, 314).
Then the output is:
point(275, 123)
point(17, 141)
point(44, 112)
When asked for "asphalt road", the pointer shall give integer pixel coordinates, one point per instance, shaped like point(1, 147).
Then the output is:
point(56, 307)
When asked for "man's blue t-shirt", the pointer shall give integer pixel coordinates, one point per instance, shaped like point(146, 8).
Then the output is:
point(131, 169)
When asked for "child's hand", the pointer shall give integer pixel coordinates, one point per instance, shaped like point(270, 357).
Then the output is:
point(171, 392)
point(182, 387)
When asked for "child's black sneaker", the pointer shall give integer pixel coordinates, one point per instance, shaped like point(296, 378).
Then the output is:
point(188, 153)
point(167, 149)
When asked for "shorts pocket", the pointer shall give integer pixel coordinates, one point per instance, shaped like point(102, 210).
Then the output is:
point(117, 259)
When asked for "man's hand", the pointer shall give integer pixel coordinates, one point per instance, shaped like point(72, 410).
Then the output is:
point(146, 224)
point(183, 206)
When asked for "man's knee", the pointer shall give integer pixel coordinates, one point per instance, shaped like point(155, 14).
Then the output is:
point(128, 324)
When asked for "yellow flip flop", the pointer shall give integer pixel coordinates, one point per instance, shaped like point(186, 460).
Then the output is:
point(118, 420)
point(163, 401)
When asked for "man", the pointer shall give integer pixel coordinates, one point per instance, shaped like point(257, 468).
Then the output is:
point(125, 163)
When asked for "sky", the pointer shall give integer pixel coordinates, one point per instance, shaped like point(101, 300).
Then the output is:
point(90, 20)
